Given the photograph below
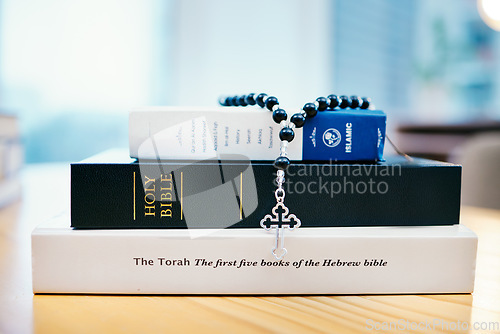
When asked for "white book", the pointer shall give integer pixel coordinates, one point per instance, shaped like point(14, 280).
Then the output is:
point(199, 133)
point(341, 260)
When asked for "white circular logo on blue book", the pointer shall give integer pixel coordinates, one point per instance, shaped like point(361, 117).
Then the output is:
point(331, 137)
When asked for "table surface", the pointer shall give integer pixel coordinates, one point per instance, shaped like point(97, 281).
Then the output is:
point(46, 191)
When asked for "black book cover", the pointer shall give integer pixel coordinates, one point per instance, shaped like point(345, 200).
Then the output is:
point(107, 193)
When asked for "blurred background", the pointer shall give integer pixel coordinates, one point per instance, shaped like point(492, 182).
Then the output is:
point(71, 70)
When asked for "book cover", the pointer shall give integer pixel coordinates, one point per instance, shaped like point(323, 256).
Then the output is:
point(250, 133)
point(114, 191)
point(352, 260)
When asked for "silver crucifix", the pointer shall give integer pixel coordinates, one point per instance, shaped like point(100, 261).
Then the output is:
point(280, 219)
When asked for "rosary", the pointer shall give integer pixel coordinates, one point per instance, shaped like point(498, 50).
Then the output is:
point(281, 218)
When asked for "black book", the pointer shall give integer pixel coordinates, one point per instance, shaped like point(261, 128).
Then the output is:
point(107, 192)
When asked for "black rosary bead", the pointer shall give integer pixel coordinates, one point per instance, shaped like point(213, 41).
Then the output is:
point(234, 101)
point(260, 100)
point(355, 102)
point(250, 99)
point(334, 101)
point(279, 115)
point(310, 109)
point(298, 120)
point(366, 103)
point(344, 102)
point(287, 134)
point(271, 101)
point(241, 101)
point(322, 103)
point(225, 101)
point(282, 163)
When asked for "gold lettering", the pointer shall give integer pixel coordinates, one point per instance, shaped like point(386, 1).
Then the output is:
point(166, 178)
point(149, 210)
point(151, 189)
point(166, 196)
point(151, 197)
point(148, 180)
point(166, 212)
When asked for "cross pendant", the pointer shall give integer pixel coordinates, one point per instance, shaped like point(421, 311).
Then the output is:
point(279, 220)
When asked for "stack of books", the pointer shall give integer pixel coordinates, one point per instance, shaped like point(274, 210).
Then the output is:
point(155, 220)
point(11, 159)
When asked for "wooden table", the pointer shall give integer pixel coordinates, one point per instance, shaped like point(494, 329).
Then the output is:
point(46, 190)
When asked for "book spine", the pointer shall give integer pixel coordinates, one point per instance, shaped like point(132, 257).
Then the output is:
point(249, 134)
point(164, 262)
point(220, 195)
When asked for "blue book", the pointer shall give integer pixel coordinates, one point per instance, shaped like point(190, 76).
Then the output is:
point(345, 135)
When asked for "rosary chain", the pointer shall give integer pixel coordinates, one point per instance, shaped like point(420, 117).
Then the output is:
point(297, 120)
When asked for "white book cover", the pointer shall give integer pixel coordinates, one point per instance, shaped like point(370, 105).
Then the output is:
point(341, 260)
point(200, 133)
